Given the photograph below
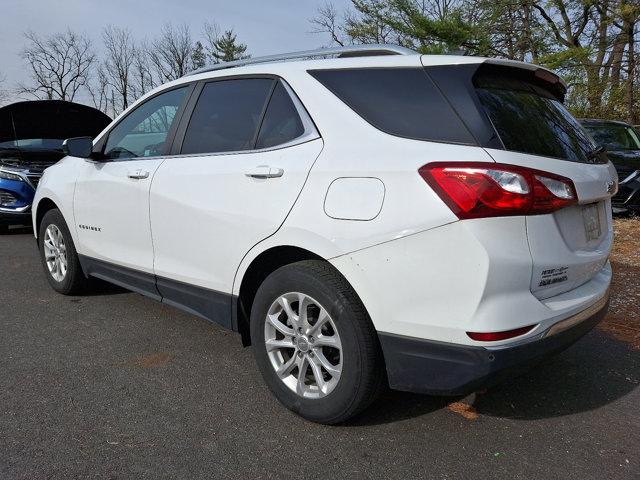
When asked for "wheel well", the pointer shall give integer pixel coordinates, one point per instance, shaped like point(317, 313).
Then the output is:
point(44, 206)
point(261, 267)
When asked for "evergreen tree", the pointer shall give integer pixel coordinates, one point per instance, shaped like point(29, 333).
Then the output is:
point(225, 48)
point(198, 57)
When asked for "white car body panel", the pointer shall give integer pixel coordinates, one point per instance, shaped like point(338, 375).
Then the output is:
point(58, 184)
point(418, 286)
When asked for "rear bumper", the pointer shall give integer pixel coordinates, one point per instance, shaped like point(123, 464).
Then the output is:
point(439, 368)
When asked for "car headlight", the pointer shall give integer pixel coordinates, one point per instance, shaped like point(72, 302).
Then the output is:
point(10, 176)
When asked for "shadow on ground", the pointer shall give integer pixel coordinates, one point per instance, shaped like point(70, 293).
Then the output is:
point(594, 372)
point(17, 231)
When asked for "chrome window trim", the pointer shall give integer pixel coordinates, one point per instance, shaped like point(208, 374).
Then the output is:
point(298, 141)
point(307, 122)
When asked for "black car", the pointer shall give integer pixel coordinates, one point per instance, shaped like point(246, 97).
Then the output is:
point(31, 136)
point(622, 142)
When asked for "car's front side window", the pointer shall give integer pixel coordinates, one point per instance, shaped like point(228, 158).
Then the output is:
point(144, 131)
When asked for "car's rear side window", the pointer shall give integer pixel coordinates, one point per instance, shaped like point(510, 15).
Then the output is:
point(227, 116)
point(281, 123)
point(400, 101)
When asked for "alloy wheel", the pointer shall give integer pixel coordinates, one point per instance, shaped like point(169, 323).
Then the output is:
point(55, 253)
point(303, 345)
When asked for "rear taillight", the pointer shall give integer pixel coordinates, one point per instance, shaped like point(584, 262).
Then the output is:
point(474, 190)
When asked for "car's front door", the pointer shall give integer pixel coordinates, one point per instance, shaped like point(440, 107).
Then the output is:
point(111, 201)
point(245, 154)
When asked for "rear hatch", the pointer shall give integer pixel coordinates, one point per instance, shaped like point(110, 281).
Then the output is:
point(517, 114)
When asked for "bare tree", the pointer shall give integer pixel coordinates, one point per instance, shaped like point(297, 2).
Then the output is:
point(99, 91)
point(4, 95)
point(143, 80)
point(59, 65)
point(119, 63)
point(328, 21)
point(170, 53)
point(212, 33)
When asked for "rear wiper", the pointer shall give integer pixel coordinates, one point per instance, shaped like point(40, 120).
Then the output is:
point(600, 149)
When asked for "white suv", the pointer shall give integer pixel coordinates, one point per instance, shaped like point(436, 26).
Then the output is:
point(381, 217)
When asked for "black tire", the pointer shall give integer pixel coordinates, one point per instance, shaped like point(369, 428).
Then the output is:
point(74, 282)
point(363, 374)
point(4, 229)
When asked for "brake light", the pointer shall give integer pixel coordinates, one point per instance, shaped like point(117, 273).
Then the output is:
point(496, 336)
point(476, 189)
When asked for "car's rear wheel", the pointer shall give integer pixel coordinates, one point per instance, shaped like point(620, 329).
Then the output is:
point(59, 256)
point(314, 343)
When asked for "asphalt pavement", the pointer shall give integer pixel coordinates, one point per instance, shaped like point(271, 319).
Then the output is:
point(116, 386)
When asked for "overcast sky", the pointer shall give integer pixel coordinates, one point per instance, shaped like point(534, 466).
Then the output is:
point(266, 26)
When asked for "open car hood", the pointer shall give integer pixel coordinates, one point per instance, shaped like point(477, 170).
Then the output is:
point(50, 119)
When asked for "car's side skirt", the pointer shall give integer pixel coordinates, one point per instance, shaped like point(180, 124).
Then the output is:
point(209, 304)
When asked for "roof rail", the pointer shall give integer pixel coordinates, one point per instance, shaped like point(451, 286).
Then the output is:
point(340, 52)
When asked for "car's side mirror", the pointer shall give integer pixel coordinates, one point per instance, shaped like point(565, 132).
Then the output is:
point(81, 147)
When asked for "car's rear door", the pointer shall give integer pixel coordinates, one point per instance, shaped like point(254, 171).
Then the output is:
point(243, 156)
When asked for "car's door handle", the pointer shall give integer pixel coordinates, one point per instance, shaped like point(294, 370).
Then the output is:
point(138, 174)
point(265, 171)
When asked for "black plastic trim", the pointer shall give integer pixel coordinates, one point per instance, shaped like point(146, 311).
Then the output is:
point(134, 280)
point(209, 304)
point(439, 368)
point(18, 218)
point(203, 302)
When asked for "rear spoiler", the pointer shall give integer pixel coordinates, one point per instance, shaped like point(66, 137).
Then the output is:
point(540, 72)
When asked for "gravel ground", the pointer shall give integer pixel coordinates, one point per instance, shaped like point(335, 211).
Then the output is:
point(117, 386)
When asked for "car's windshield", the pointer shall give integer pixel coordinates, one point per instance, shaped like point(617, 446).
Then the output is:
point(34, 143)
point(615, 136)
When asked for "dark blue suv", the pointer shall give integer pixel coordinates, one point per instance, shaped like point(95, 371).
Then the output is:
point(31, 136)
point(622, 142)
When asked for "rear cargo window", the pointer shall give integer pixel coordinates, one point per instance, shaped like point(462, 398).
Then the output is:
point(399, 101)
point(529, 119)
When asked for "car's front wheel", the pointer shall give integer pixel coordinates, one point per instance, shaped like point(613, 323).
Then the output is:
point(59, 256)
point(314, 343)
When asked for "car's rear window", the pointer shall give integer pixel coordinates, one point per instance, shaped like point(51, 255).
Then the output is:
point(530, 119)
point(400, 101)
